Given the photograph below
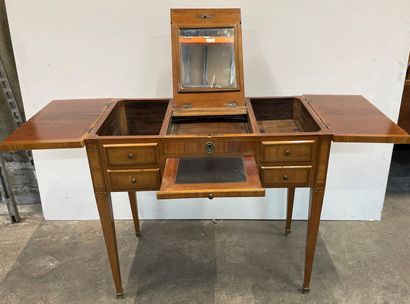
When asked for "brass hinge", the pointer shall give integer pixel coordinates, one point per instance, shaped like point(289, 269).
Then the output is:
point(232, 104)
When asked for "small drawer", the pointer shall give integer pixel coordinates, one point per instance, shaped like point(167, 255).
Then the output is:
point(279, 176)
point(132, 154)
point(142, 179)
point(287, 151)
point(202, 147)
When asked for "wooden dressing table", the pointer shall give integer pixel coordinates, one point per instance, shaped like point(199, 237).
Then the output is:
point(208, 140)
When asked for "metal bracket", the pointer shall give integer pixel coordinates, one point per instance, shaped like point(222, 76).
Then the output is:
point(232, 104)
point(19, 120)
point(10, 199)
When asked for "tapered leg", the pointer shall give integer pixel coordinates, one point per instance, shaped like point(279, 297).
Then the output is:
point(291, 196)
point(315, 209)
point(107, 223)
point(134, 209)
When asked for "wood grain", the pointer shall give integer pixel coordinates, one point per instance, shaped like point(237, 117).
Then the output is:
point(404, 116)
point(210, 125)
point(352, 118)
point(60, 124)
point(282, 115)
point(132, 195)
point(191, 18)
point(145, 154)
point(285, 176)
point(289, 209)
point(134, 179)
point(105, 211)
point(315, 209)
point(170, 189)
point(288, 151)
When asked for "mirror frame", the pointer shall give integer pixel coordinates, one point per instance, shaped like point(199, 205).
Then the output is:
point(235, 49)
point(185, 98)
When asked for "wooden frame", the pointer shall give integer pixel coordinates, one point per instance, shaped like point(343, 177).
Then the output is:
point(201, 99)
point(129, 147)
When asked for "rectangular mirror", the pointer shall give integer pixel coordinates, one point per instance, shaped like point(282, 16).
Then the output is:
point(207, 57)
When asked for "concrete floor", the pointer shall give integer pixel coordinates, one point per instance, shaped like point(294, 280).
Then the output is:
point(212, 262)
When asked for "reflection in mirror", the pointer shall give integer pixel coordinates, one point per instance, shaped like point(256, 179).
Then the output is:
point(207, 57)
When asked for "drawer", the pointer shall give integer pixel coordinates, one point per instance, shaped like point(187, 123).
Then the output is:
point(210, 177)
point(288, 151)
point(141, 179)
point(283, 176)
point(132, 155)
point(205, 147)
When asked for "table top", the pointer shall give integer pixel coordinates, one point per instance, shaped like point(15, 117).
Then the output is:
point(352, 118)
point(60, 124)
point(66, 123)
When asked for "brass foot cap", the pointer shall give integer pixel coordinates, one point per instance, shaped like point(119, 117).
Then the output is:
point(120, 294)
point(305, 290)
point(287, 232)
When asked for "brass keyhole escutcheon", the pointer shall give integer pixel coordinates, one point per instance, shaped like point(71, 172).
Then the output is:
point(209, 147)
point(285, 177)
point(287, 152)
point(130, 156)
point(133, 180)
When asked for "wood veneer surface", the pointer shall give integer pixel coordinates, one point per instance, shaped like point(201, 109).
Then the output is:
point(352, 118)
point(404, 117)
point(60, 124)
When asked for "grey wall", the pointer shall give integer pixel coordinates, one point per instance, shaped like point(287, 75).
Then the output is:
point(21, 170)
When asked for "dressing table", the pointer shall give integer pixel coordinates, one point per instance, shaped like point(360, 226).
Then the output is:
point(209, 140)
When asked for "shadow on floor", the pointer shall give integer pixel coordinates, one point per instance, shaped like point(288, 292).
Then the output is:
point(226, 262)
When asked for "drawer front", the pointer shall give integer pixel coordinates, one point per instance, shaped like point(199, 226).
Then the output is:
point(210, 179)
point(278, 176)
point(208, 146)
point(142, 179)
point(287, 151)
point(132, 155)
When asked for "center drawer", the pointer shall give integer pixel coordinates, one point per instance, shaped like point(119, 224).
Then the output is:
point(288, 151)
point(141, 155)
point(192, 177)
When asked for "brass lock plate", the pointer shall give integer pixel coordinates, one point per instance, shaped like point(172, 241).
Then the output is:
point(209, 147)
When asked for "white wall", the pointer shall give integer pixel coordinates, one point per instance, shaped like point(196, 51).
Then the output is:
point(101, 48)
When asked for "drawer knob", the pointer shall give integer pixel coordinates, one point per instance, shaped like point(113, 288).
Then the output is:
point(130, 156)
point(133, 180)
point(287, 152)
point(210, 196)
point(285, 177)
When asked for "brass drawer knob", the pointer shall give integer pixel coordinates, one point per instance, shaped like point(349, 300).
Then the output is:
point(210, 196)
point(130, 156)
point(285, 177)
point(133, 180)
point(287, 152)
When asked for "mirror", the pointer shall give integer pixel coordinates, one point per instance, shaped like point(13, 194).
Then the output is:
point(207, 57)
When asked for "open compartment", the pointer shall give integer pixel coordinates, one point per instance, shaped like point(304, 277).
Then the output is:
point(282, 115)
point(135, 117)
point(210, 177)
point(209, 125)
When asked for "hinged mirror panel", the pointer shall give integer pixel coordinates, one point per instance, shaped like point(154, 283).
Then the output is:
point(207, 58)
